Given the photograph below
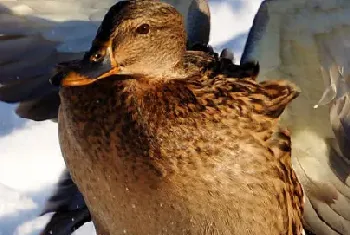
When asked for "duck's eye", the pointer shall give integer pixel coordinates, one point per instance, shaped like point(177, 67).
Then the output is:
point(143, 29)
point(96, 57)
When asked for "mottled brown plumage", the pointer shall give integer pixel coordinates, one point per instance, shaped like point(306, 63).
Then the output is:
point(171, 143)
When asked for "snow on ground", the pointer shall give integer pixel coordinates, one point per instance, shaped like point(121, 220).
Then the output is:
point(30, 159)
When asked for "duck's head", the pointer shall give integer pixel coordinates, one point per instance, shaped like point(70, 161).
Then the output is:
point(137, 37)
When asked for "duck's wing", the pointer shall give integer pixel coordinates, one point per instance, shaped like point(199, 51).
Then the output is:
point(308, 42)
point(69, 206)
point(35, 36)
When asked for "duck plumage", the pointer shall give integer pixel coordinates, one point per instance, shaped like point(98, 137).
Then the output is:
point(175, 148)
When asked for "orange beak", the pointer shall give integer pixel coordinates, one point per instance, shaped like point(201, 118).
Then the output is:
point(78, 79)
point(84, 72)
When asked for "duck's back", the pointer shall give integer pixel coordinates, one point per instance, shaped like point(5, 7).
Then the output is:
point(195, 156)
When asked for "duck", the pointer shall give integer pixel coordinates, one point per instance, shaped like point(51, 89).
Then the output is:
point(160, 145)
point(66, 202)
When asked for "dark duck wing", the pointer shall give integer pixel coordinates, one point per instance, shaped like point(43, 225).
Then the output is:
point(290, 42)
point(68, 205)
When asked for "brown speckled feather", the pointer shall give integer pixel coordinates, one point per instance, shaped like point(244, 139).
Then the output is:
point(183, 150)
point(188, 152)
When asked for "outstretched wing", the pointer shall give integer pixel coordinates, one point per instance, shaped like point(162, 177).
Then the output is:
point(35, 36)
point(69, 206)
point(308, 42)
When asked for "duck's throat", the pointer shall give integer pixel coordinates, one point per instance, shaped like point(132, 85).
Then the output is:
point(114, 124)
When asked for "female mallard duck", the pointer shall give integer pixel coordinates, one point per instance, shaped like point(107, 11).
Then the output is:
point(158, 144)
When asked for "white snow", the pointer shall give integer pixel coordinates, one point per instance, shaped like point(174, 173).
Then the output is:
point(30, 159)
point(12, 202)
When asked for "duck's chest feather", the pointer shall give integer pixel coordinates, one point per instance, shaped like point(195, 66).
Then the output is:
point(174, 158)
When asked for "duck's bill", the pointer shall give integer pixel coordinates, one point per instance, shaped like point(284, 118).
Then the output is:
point(81, 73)
point(83, 79)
